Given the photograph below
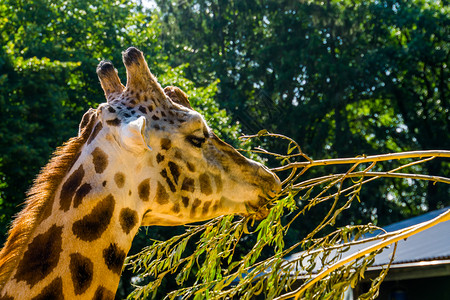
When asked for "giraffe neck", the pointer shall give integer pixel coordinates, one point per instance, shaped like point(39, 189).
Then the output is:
point(78, 247)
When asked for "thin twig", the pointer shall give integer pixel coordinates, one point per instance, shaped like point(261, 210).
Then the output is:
point(363, 159)
point(402, 235)
point(381, 174)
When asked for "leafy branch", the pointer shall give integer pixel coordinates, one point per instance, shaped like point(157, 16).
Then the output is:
point(321, 265)
point(395, 237)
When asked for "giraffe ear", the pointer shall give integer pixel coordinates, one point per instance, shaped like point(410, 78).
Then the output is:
point(86, 122)
point(177, 96)
point(133, 134)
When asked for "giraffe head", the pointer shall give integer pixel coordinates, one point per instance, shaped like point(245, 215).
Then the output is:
point(183, 171)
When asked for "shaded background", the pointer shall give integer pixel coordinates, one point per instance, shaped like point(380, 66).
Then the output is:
point(342, 78)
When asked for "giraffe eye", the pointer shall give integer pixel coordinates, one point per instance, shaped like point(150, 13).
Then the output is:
point(196, 141)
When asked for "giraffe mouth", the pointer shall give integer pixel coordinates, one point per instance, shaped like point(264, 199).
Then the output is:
point(259, 214)
point(259, 211)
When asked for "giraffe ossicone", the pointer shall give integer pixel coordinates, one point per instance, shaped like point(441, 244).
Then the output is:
point(143, 158)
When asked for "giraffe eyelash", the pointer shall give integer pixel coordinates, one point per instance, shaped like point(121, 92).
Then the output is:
point(196, 141)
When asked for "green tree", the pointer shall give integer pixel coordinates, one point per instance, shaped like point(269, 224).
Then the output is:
point(415, 79)
point(341, 77)
point(32, 121)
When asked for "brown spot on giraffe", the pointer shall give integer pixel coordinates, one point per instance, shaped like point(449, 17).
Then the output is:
point(205, 184)
point(94, 133)
point(161, 195)
point(82, 272)
point(185, 201)
point(41, 256)
point(53, 291)
point(139, 97)
point(166, 144)
point(114, 122)
point(159, 158)
point(114, 258)
point(92, 226)
point(188, 185)
point(142, 109)
point(119, 179)
point(215, 206)
point(75, 159)
point(47, 212)
point(206, 206)
point(128, 218)
point(100, 160)
point(82, 192)
point(219, 183)
point(176, 208)
point(190, 167)
point(178, 155)
point(175, 170)
point(194, 206)
point(85, 120)
point(69, 188)
point(103, 294)
point(144, 189)
point(169, 182)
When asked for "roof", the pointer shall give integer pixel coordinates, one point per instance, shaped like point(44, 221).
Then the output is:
point(426, 248)
point(428, 245)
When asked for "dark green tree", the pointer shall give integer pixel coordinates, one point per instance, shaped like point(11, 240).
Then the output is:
point(340, 77)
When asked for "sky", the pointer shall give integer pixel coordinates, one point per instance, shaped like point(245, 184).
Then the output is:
point(148, 3)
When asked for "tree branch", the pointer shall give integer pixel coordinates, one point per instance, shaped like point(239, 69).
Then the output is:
point(363, 159)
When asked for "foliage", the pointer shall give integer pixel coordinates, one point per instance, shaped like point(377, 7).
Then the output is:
point(30, 129)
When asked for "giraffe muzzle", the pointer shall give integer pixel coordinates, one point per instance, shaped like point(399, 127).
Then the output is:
point(271, 183)
point(271, 186)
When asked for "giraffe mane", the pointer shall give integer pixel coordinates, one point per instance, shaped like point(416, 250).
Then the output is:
point(40, 196)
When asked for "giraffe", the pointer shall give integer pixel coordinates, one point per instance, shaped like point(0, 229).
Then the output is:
point(143, 158)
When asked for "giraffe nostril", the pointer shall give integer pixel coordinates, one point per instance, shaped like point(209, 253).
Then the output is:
point(273, 193)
